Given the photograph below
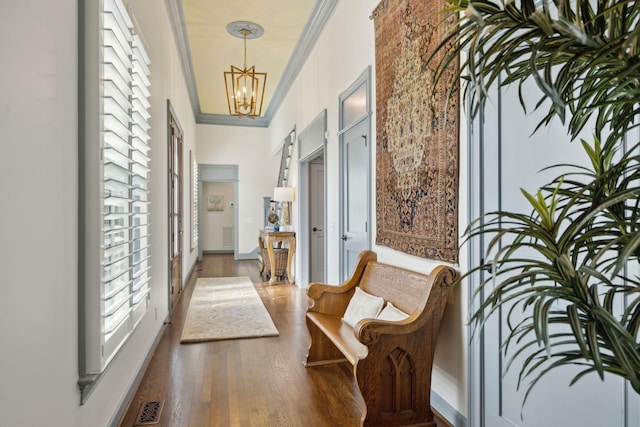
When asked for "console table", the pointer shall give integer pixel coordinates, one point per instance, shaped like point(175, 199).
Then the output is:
point(278, 237)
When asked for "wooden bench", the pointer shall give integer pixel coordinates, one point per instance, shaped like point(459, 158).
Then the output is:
point(391, 360)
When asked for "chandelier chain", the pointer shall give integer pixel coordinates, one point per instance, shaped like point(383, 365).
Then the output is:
point(244, 34)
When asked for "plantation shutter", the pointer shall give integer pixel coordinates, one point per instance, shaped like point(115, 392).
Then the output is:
point(125, 156)
point(194, 204)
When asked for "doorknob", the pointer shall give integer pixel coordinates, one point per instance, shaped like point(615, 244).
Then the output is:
point(316, 229)
point(345, 237)
point(486, 266)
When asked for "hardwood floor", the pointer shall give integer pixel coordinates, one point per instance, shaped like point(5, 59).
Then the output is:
point(246, 382)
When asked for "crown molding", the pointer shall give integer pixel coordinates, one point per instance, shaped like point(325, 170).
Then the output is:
point(310, 34)
point(227, 120)
point(315, 24)
point(179, 27)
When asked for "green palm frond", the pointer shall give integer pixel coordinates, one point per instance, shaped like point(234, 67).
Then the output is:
point(583, 55)
point(559, 271)
point(564, 254)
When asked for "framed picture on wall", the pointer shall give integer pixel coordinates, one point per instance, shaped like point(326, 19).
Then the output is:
point(215, 202)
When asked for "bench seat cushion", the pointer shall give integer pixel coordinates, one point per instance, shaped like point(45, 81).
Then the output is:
point(340, 334)
point(362, 306)
point(392, 313)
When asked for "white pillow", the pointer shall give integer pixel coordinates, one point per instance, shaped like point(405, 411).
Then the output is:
point(362, 306)
point(392, 313)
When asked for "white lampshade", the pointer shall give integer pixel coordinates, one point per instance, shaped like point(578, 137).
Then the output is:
point(283, 194)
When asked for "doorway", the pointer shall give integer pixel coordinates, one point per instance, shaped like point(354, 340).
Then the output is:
point(312, 201)
point(218, 217)
point(316, 218)
point(355, 172)
point(175, 206)
point(224, 208)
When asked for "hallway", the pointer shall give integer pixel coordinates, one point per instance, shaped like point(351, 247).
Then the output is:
point(248, 382)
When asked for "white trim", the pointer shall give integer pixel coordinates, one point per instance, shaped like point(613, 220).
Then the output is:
point(447, 411)
point(113, 271)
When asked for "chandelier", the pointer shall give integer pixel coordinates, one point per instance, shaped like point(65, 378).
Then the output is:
point(245, 86)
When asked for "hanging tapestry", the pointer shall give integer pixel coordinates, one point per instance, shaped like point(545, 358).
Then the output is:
point(416, 132)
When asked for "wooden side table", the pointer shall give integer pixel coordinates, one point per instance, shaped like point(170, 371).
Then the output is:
point(272, 237)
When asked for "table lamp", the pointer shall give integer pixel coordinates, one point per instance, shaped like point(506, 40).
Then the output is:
point(284, 195)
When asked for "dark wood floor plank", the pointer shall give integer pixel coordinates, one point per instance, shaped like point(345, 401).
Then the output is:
point(259, 382)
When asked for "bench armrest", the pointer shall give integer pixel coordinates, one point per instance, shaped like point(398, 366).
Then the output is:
point(442, 278)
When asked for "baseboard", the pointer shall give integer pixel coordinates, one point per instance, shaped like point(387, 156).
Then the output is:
point(126, 402)
point(124, 406)
point(447, 412)
point(192, 271)
point(250, 255)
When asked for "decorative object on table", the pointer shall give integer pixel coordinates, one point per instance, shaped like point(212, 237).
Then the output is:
point(245, 86)
point(226, 308)
point(284, 195)
point(417, 134)
point(273, 218)
point(215, 203)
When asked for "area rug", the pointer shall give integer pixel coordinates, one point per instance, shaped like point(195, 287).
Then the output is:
point(223, 308)
point(416, 133)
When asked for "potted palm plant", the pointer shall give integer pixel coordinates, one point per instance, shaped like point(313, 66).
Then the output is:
point(565, 263)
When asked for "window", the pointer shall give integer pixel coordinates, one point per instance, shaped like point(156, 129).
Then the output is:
point(114, 170)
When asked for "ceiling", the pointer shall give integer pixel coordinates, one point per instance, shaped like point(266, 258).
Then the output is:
point(207, 50)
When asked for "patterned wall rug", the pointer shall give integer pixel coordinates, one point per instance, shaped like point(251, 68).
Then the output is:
point(416, 132)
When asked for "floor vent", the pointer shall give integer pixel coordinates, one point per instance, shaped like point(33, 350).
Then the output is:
point(149, 413)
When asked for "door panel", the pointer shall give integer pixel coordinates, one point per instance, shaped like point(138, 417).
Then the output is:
point(355, 172)
point(311, 148)
point(175, 210)
point(508, 160)
point(355, 193)
point(316, 219)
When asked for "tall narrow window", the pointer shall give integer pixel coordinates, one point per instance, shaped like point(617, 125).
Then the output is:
point(114, 209)
point(125, 281)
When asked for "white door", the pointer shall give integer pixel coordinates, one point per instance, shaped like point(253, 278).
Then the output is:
point(355, 172)
point(316, 219)
point(503, 159)
point(355, 194)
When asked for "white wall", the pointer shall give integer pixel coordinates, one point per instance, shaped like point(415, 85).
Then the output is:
point(38, 219)
point(39, 222)
point(247, 147)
